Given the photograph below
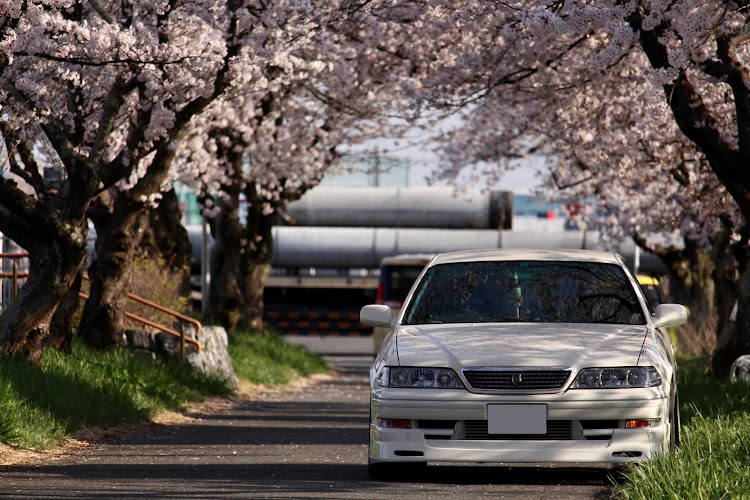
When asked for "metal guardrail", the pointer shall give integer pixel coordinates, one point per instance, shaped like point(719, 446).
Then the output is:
point(16, 275)
point(154, 305)
point(180, 334)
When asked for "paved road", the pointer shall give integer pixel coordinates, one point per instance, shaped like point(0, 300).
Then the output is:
point(309, 442)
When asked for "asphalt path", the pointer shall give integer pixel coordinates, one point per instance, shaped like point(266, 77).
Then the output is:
point(305, 442)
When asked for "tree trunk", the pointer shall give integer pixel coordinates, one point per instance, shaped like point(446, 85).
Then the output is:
point(706, 281)
point(54, 265)
point(734, 341)
point(119, 218)
point(225, 298)
point(61, 332)
point(691, 282)
point(255, 271)
point(164, 237)
point(728, 286)
point(225, 295)
point(742, 323)
point(240, 260)
point(118, 227)
point(256, 259)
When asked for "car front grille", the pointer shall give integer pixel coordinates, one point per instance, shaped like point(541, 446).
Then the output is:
point(556, 430)
point(516, 380)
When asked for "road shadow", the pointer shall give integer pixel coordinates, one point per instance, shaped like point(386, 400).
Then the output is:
point(291, 481)
point(294, 446)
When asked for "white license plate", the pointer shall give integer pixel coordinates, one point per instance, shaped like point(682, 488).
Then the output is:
point(517, 419)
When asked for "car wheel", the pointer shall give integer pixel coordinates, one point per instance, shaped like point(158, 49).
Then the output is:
point(674, 432)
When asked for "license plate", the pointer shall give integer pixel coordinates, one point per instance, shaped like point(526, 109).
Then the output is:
point(517, 419)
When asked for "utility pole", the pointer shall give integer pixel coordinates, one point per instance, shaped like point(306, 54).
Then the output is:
point(205, 266)
point(377, 167)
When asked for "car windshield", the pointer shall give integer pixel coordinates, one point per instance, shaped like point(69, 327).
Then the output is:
point(534, 291)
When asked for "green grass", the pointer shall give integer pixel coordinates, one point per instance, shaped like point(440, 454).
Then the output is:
point(41, 405)
point(714, 459)
point(267, 359)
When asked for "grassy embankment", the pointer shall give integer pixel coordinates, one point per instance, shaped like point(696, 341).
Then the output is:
point(41, 405)
point(714, 459)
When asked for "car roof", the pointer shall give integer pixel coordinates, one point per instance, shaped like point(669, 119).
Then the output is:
point(536, 254)
point(407, 259)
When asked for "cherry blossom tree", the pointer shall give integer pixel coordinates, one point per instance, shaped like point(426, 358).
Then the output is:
point(643, 104)
point(105, 91)
point(650, 184)
point(109, 92)
point(267, 58)
point(275, 136)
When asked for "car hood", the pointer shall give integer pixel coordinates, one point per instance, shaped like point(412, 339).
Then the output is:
point(520, 344)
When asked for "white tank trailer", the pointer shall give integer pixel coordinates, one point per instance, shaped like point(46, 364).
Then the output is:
point(423, 207)
point(364, 248)
point(354, 228)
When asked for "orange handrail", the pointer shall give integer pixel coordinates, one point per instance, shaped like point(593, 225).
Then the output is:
point(182, 317)
point(164, 329)
point(154, 305)
point(15, 275)
point(16, 255)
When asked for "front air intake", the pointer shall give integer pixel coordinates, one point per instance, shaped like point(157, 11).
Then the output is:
point(556, 430)
point(516, 380)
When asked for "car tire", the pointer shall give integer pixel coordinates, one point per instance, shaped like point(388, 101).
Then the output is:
point(675, 435)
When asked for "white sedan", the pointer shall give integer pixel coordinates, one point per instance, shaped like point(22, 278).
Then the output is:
point(514, 356)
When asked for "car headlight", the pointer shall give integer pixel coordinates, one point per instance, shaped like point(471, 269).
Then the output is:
point(428, 378)
point(617, 378)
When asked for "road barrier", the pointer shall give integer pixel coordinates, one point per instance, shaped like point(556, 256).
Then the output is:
point(316, 323)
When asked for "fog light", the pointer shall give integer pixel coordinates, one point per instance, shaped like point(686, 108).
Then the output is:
point(638, 424)
point(394, 423)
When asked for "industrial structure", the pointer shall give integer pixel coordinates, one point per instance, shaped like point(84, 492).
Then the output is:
point(325, 267)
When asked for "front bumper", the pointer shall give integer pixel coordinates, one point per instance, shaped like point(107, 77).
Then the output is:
point(438, 430)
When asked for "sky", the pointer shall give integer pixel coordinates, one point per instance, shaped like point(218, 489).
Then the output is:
point(526, 177)
point(415, 148)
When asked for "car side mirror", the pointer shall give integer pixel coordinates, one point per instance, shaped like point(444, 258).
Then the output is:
point(670, 315)
point(376, 315)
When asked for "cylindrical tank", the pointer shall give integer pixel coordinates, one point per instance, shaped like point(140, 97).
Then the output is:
point(361, 247)
point(364, 247)
point(419, 206)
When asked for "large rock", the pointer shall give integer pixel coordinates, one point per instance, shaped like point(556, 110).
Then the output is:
point(213, 359)
point(740, 369)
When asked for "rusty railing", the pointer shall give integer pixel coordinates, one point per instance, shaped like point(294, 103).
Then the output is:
point(15, 275)
point(175, 314)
